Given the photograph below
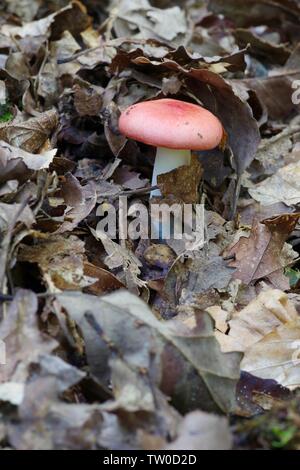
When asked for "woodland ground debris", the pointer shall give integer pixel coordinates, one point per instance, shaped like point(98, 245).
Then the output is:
point(114, 343)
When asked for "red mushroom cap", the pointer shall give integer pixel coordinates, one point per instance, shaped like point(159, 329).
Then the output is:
point(171, 123)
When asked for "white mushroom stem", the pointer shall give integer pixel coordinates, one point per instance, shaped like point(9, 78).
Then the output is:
point(167, 160)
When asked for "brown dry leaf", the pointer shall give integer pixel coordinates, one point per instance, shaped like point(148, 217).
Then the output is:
point(30, 135)
point(169, 24)
point(276, 356)
point(254, 394)
point(274, 152)
point(87, 101)
point(260, 47)
point(159, 256)
point(183, 182)
point(106, 282)
point(118, 256)
point(10, 216)
point(274, 93)
point(17, 67)
point(202, 431)
point(63, 48)
point(260, 255)
point(283, 186)
point(252, 12)
point(188, 280)
point(166, 352)
point(48, 423)
point(268, 332)
point(16, 163)
point(61, 261)
point(24, 342)
point(264, 314)
point(80, 201)
point(129, 178)
point(72, 17)
point(115, 139)
point(25, 9)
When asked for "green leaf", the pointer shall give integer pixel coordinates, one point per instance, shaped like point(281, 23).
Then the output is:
point(5, 113)
point(283, 435)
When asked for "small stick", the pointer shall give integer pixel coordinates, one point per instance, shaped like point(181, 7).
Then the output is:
point(132, 192)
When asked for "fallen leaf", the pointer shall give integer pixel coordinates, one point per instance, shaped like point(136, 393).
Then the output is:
point(202, 431)
point(25, 9)
point(254, 11)
point(154, 345)
point(61, 261)
point(10, 216)
point(105, 283)
point(29, 135)
point(170, 24)
point(283, 186)
point(24, 342)
point(186, 281)
point(73, 17)
point(267, 331)
point(183, 182)
point(261, 48)
point(260, 255)
point(12, 392)
point(80, 200)
point(254, 394)
point(87, 101)
point(16, 163)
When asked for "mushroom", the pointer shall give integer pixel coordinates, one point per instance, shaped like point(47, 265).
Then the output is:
point(175, 128)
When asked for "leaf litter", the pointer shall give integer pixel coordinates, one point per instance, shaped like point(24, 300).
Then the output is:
point(142, 344)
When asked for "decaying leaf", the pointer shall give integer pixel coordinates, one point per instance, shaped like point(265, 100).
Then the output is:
point(283, 186)
point(202, 431)
point(16, 163)
point(149, 347)
point(260, 255)
point(61, 261)
point(121, 343)
point(170, 24)
point(267, 331)
point(72, 17)
point(80, 201)
point(120, 256)
point(30, 135)
point(183, 182)
point(187, 281)
point(10, 216)
point(19, 331)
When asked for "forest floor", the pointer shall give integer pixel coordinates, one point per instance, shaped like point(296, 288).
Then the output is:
point(112, 342)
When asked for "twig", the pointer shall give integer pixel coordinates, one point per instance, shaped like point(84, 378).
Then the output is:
point(6, 298)
point(235, 198)
point(78, 54)
point(132, 192)
point(230, 258)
